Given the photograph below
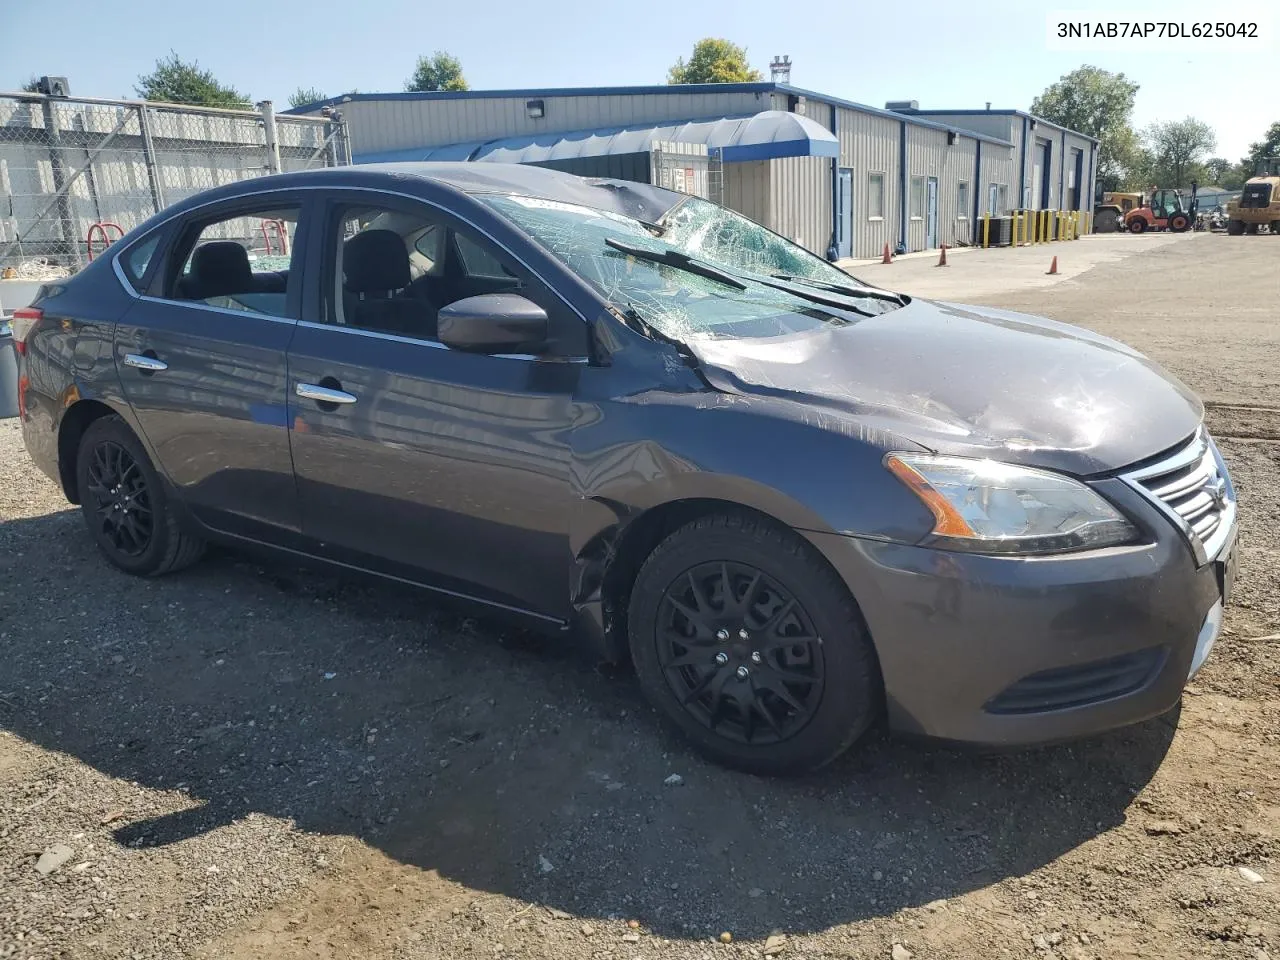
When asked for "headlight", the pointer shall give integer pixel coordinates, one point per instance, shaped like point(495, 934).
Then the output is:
point(989, 507)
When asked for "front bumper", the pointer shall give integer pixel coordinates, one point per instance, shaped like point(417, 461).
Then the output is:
point(1019, 650)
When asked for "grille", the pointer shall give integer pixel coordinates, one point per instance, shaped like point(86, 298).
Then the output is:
point(1065, 687)
point(1192, 488)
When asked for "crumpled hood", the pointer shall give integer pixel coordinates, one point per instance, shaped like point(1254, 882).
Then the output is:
point(973, 381)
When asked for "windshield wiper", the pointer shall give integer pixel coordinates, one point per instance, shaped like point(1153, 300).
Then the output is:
point(840, 288)
point(681, 261)
point(839, 301)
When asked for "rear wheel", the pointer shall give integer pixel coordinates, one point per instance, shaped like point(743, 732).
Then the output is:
point(124, 503)
point(1137, 225)
point(1235, 227)
point(1106, 221)
point(748, 642)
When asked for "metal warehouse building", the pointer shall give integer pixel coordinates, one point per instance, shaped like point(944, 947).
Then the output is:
point(841, 178)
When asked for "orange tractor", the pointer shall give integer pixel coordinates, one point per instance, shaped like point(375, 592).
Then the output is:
point(1164, 211)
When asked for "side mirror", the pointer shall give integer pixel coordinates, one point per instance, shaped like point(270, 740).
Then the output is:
point(494, 323)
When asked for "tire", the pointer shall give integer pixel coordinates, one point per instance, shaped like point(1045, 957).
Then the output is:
point(1275, 227)
point(1235, 227)
point(1251, 229)
point(1136, 225)
point(115, 477)
point(818, 637)
point(1179, 223)
point(1106, 221)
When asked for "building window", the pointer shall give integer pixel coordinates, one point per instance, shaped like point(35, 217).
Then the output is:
point(875, 196)
point(917, 198)
point(997, 199)
point(962, 200)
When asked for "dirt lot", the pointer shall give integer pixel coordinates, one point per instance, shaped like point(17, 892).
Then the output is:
point(265, 762)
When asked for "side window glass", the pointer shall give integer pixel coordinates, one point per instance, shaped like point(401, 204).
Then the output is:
point(478, 263)
point(389, 273)
point(240, 262)
point(137, 258)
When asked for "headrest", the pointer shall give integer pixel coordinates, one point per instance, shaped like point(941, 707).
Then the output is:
point(220, 268)
point(375, 261)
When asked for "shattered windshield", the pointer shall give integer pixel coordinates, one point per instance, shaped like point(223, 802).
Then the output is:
point(720, 236)
point(685, 301)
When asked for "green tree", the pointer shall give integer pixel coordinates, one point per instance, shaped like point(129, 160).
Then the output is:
point(32, 85)
point(714, 61)
point(176, 81)
point(1263, 150)
point(440, 71)
point(1099, 103)
point(304, 95)
point(1217, 169)
point(1177, 150)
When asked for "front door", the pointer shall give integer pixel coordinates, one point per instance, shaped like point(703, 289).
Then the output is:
point(201, 360)
point(931, 213)
point(447, 469)
point(844, 214)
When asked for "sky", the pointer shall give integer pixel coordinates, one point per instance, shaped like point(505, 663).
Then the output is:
point(947, 54)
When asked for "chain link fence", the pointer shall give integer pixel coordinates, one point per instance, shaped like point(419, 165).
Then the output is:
point(77, 174)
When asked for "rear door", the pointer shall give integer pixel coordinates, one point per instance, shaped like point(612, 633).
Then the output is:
point(201, 359)
point(444, 468)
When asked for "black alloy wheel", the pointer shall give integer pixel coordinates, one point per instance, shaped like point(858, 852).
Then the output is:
point(121, 499)
point(740, 652)
point(125, 504)
point(745, 638)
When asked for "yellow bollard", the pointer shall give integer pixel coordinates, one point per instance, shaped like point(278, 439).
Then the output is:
point(986, 229)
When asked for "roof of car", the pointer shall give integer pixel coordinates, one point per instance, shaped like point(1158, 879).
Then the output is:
point(641, 201)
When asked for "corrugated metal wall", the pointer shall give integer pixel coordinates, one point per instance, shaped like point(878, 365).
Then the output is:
point(801, 201)
point(377, 125)
point(999, 169)
point(931, 157)
point(869, 144)
point(748, 189)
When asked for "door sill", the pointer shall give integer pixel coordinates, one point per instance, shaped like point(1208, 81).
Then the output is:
point(542, 620)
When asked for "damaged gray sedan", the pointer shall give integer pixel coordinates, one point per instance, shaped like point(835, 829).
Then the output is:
point(795, 502)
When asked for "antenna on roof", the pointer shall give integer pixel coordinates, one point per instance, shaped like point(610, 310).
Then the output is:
point(988, 104)
point(780, 69)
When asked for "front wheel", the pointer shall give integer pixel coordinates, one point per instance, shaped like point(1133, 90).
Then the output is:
point(747, 641)
point(1179, 223)
point(124, 503)
point(1137, 225)
point(1235, 227)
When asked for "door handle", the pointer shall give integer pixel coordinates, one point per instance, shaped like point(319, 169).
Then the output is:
point(313, 391)
point(145, 363)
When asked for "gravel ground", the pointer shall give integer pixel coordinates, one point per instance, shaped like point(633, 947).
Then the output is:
point(260, 761)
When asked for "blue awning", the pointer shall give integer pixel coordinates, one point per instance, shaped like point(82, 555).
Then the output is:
point(768, 135)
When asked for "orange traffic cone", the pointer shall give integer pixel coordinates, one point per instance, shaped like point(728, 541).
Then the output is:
point(942, 260)
point(1053, 267)
point(888, 257)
